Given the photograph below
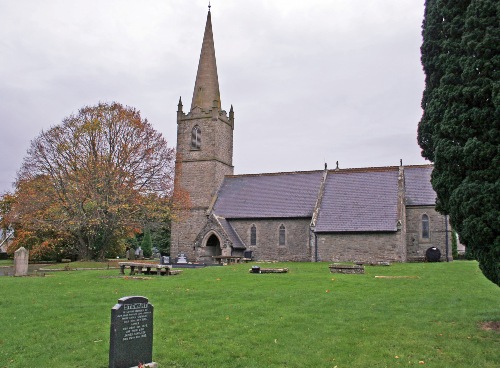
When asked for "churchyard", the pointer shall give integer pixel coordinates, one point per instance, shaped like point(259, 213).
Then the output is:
point(420, 314)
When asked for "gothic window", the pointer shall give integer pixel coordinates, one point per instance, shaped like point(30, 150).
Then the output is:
point(196, 138)
point(282, 235)
point(253, 235)
point(425, 227)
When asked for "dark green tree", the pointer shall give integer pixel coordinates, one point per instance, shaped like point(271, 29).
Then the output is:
point(459, 129)
point(147, 243)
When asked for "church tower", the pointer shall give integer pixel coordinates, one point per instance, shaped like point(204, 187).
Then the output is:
point(204, 150)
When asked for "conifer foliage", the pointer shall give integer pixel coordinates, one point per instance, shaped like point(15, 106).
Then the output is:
point(460, 127)
point(91, 182)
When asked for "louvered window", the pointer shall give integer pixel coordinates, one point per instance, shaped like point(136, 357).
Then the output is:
point(196, 138)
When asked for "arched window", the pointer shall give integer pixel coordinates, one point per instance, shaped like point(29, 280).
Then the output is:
point(253, 235)
point(425, 227)
point(282, 235)
point(196, 138)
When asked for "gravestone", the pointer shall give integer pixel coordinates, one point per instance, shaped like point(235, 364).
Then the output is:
point(131, 336)
point(21, 257)
point(181, 259)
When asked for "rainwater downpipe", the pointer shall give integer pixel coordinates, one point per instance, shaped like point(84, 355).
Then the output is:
point(446, 236)
point(315, 247)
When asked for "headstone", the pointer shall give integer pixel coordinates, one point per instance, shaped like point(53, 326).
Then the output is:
point(21, 257)
point(182, 259)
point(131, 336)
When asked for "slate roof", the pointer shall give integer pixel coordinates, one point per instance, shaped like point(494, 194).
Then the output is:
point(278, 195)
point(360, 200)
point(419, 190)
point(354, 200)
point(233, 236)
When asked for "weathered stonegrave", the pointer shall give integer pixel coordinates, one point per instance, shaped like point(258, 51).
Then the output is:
point(21, 257)
point(131, 335)
point(347, 269)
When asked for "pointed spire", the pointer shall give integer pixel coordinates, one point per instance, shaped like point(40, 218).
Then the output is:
point(206, 87)
point(179, 105)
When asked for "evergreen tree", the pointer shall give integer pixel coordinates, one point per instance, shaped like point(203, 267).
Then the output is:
point(147, 244)
point(459, 129)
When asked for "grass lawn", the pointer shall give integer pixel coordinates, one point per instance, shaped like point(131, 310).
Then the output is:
point(227, 317)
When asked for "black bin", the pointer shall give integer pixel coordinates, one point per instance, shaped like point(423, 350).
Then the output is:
point(432, 254)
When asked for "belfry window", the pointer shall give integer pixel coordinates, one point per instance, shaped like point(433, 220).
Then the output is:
point(282, 235)
point(425, 227)
point(253, 235)
point(196, 138)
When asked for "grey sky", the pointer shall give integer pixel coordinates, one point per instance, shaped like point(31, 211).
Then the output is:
point(310, 81)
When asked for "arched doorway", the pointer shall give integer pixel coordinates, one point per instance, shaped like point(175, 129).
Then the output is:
point(212, 247)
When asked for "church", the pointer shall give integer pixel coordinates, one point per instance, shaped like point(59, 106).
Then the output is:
point(373, 214)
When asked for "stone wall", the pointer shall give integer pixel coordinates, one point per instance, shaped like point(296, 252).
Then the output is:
point(184, 232)
point(296, 246)
point(361, 247)
point(416, 244)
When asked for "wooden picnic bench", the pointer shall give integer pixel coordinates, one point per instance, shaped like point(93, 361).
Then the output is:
point(146, 268)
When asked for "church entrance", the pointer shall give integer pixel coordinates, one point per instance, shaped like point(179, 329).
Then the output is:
point(212, 247)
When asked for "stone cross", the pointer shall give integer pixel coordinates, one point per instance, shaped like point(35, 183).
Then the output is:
point(21, 262)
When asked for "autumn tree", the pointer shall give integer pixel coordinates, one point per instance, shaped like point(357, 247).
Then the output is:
point(95, 180)
point(459, 130)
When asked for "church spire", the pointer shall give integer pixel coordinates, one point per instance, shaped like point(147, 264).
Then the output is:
point(206, 87)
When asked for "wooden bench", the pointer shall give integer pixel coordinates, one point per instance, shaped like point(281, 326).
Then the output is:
point(145, 268)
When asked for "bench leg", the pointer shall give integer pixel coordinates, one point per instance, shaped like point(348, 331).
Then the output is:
point(132, 268)
point(122, 269)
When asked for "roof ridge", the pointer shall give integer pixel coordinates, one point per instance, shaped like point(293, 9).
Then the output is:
point(275, 173)
point(364, 169)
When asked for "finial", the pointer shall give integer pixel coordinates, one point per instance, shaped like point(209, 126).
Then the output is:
point(209, 6)
point(400, 162)
point(326, 166)
point(337, 168)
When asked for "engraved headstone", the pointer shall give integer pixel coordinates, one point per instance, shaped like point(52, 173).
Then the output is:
point(21, 262)
point(131, 336)
point(182, 258)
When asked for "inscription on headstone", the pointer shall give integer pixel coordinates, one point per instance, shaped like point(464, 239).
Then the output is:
point(131, 336)
point(21, 257)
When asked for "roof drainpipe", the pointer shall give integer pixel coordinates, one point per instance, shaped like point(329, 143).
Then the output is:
point(446, 231)
point(315, 247)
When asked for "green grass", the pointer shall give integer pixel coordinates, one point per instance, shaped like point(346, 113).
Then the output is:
point(227, 317)
point(6, 262)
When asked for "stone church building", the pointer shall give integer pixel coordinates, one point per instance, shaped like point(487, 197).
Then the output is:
point(363, 214)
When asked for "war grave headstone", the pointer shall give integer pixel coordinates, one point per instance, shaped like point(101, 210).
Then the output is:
point(131, 335)
point(21, 257)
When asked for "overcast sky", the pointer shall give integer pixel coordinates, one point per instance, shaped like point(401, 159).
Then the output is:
point(311, 81)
